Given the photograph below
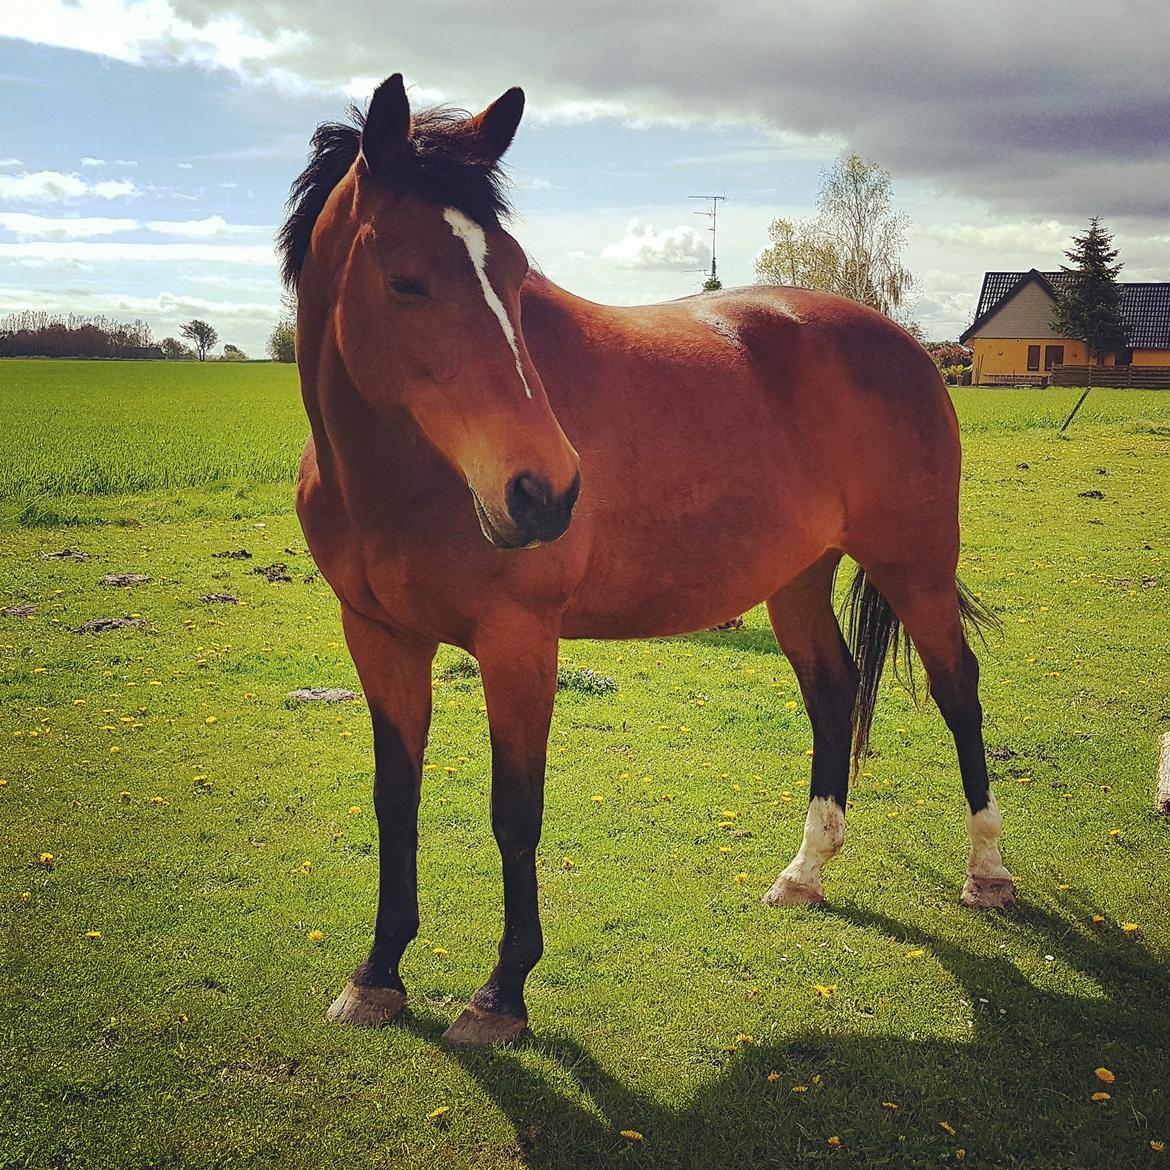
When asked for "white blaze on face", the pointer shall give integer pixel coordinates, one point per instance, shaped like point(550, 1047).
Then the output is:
point(475, 242)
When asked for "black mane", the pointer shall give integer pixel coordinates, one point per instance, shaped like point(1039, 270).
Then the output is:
point(442, 166)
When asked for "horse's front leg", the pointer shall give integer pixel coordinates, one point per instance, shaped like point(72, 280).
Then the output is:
point(396, 676)
point(518, 662)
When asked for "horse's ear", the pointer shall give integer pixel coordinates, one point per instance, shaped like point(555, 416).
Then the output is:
point(496, 126)
point(386, 132)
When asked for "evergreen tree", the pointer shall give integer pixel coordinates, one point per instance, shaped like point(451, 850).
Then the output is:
point(1088, 307)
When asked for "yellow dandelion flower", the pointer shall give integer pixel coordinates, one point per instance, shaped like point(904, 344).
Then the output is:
point(791, 705)
point(315, 936)
point(1116, 834)
point(816, 1079)
point(355, 810)
point(773, 1077)
point(46, 859)
point(800, 1088)
point(1104, 1075)
point(26, 895)
point(306, 866)
point(598, 799)
point(568, 863)
point(124, 796)
point(917, 953)
point(833, 1141)
point(824, 990)
point(891, 1105)
point(1098, 920)
point(1157, 1146)
point(632, 1135)
point(946, 1127)
point(212, 719)
point(1101, 1097)
point(93, 934)
point(741, 877)
point(1130, 927)
point(724, 848)
point(960, 1154)
point(442, 1111)
point(3, 783)
point(744, 1038)
point(440, 952)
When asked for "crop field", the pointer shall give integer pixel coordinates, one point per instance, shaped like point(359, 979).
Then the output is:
point(188, 855)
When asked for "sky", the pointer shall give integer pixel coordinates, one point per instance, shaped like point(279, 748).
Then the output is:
point(147, 146)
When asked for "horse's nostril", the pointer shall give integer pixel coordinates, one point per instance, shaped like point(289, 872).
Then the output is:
point(537, 511)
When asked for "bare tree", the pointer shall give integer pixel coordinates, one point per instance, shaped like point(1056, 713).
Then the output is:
point(854, 245)
point(203, 335)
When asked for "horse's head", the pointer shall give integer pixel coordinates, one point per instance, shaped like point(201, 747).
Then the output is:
point(427, 298)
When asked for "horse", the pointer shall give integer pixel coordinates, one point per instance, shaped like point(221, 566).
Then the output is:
point(496, 464)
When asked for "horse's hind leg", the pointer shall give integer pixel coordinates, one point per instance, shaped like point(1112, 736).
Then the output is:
point(928, 608)
point(807, 630)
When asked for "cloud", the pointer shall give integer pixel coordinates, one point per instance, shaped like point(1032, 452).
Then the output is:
point(677, 249)
point(44, 227)
point(10, 164)
point(89, 161)
point(213, 227)
point(57, 187)
point(92, 251)
point(998, 102)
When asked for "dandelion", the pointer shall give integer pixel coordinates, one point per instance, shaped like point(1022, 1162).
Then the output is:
point(598, 799)
point(946, 1127)
point(1104, 1076)
point(436, 1114)
point(833, 1141)
point(791, 705)
point(315, 936)
point(773, 1077)
point(1098, 919)
point(824, 990)
point(1130, 927)
point(1157, 1146)
point(124, 796)
point(800, 1088)
point(724, 848)
point(306, 866)
point(960, 1154)
point(440, 952)
point(47, 860)
point(568, 863)
point(1101, 1097)
point(632, 1135)
point(212, 719)
point(1115, 834)
point(26, 895)
point(890, 1105)
point(741, 877)
point(95, 934)
point(744, 1038)
point(355, 810)
point(917, 953)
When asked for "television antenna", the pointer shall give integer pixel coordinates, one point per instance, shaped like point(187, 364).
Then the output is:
point(712, 213)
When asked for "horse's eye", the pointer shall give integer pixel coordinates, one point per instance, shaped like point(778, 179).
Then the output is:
point(404, 287)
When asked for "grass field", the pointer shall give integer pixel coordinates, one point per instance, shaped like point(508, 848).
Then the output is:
point(163, 978)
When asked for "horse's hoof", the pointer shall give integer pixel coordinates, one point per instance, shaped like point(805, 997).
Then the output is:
point(366, 1007)
point(787, 892)
point(988, 893)
point(477, 1027)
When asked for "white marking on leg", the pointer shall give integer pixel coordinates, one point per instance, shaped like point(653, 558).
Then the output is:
point(984, 828)
point(824, 834)
point(475, 241)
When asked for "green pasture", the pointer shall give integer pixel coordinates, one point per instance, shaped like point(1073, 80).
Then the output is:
point(164, 977)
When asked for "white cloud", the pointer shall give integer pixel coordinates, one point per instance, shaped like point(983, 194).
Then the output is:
point(114, 189)
point(186, 166)
point(135, 253)
point(125, 162)
point(57, 187)
point(10, 164)
point(45, 227)
point(42, 186)
point(89, 161)
point(213, 227)
point(677, 248)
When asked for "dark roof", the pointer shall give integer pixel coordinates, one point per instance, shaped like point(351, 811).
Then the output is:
point(1145, 306)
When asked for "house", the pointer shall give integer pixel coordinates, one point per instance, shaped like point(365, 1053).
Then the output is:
point(1013, 342)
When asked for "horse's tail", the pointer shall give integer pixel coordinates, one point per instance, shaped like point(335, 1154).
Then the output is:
point(872, 628)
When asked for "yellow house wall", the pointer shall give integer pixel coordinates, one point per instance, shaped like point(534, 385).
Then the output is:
point(1009, 355)
point(1151, 357)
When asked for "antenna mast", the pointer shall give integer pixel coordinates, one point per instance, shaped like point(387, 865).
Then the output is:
point(712, 213)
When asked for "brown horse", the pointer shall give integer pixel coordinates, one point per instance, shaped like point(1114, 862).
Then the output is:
point(636, 472)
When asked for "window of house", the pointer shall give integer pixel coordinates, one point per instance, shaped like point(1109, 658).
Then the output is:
point(1124, 357)
point(1053, 356)
point(1033, 357)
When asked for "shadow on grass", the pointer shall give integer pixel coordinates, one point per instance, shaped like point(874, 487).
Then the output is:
point(1016, 1092)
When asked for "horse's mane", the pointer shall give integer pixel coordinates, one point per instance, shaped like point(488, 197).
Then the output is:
point(442, 165)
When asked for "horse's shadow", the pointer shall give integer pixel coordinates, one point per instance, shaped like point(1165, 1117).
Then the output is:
point(1017, 1086)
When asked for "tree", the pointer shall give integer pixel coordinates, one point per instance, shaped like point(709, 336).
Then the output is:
point(712, 284)
point(203, 335)
point(948, 353)
point(798, 255)
point(282, 341)
point(852, 248)
point(233, 353)
point(175, 351)
point(1088, 304)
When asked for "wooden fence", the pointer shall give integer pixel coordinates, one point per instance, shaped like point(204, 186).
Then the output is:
point(1131, 377)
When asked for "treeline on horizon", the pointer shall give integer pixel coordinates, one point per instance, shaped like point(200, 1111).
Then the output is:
point(34, 333)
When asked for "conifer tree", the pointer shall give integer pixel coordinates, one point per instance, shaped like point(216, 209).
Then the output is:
point(1088, 306)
